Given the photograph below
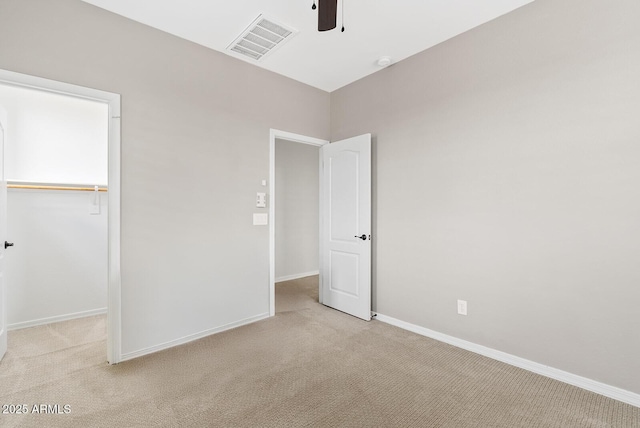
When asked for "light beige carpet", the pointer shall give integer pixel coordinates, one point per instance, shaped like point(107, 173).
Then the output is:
point(307, 366)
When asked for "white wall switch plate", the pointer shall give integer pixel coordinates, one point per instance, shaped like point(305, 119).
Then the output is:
point(462, 307)
point(94, 209)
point(260, 219)
point(261, 200)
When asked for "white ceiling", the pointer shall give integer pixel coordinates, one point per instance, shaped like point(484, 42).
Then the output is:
point(328, 60)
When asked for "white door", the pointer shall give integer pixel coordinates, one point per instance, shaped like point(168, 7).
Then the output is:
point(346, 226)
point(3, 239)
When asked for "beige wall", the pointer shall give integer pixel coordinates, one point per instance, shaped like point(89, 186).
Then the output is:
point(195, 146)
point(507, 173)
point(297, 209)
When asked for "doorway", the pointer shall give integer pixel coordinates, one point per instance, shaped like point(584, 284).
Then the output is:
point(344, 233)
point(303, 265)
point(96, 197)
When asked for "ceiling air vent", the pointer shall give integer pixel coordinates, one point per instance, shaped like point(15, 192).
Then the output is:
point(262, 37)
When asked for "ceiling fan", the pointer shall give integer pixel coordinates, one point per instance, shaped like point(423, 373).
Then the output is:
point(327, 14)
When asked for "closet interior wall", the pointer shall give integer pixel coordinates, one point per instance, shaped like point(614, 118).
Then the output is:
point(55, 155)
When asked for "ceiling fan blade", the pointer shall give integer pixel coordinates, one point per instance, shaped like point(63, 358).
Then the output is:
point(327, 14)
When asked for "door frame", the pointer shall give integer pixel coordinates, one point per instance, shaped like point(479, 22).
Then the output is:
point(296, 138)
point(114, 337)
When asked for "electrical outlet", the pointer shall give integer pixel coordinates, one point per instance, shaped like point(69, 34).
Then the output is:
point(462, 307)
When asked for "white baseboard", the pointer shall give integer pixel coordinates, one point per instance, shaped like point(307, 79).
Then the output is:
point(296, 276)
point(541, 369)
point(191, 337)
point(57, 318)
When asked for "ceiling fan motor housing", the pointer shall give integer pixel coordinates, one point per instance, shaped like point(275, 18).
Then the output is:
point(327, 14)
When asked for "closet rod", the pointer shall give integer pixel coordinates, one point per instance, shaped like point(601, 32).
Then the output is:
point(44, 187)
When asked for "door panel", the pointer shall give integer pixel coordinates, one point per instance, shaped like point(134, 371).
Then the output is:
point(343, 171)
point(344, 273)
point(3, 238)
point(346, 206)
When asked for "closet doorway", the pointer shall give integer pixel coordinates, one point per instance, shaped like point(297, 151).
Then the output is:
point(60, 209)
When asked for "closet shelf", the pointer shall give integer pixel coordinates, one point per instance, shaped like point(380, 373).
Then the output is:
point(74, 187)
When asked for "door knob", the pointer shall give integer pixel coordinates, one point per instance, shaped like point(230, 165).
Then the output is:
point(7, 244)
point(363, 237)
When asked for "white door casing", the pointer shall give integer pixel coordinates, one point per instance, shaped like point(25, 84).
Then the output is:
point(3, 238)
point(346, 227)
